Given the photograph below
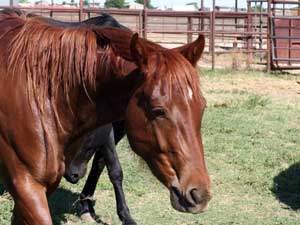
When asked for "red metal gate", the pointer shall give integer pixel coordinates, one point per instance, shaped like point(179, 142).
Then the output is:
point(285, 37)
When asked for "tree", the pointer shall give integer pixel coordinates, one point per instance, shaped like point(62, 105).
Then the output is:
point(114, 4)
point(85, 2)
point(258, 8)
point(149, 5)
point(195, 4)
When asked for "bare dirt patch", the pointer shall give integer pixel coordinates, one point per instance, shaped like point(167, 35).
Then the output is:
point(284, 89)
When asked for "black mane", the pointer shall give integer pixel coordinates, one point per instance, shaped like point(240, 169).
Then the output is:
point(105, 20)
point(9, 11)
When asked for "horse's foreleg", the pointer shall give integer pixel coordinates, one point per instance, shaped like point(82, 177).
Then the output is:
point(31, 206)
point(116, 177)
point(86, 205)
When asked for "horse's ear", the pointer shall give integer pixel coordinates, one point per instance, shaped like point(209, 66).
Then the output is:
point(102, 40)
point(118, 39)
point(138, 51)
point(193, 51)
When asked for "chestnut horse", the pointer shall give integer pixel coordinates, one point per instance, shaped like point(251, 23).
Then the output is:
point(57, 84)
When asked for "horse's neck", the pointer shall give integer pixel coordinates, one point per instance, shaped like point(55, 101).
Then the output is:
point(90, 108)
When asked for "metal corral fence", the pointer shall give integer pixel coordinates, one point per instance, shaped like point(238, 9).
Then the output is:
point(234, 38)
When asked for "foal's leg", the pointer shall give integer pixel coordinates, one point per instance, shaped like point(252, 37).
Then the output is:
point(95, 172)
point(116, 177)
point(90, 185)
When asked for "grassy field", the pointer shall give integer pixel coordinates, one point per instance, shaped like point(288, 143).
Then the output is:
point(251, 132)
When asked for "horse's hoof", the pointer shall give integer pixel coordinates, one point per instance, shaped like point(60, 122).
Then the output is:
point(86, 217)
point(129, 222)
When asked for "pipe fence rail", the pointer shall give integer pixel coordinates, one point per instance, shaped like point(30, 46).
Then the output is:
point(254, 33)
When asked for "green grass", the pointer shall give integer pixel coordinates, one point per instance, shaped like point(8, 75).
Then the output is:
point(252, 149)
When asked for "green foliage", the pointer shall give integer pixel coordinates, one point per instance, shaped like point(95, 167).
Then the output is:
point(254, 101)
point(258, 8)
point(114, 4)
point(149, 5)
point(195, 4)
point(85, 2)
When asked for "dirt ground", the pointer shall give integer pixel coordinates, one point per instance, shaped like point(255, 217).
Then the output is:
point(282, 88)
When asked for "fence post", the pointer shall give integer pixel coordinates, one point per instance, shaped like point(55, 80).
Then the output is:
point(80, 10)
point(189, 29)
point(269, 37)
point(212, 36)
point(145, 19)
point(249, 35)
point(140, 21)
point(201, 25)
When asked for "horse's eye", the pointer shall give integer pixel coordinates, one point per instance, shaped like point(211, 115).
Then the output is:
point(157, 112)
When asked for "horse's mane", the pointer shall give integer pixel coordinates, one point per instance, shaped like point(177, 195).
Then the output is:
point(53, 57)
point(105, 20)
point(12, 12)
point(10, 20)
point(57, 57)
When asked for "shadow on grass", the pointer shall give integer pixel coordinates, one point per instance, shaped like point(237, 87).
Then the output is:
point(61, 202)
point(286, 186)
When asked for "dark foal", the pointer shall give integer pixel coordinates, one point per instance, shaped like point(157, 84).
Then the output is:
point(101, 143)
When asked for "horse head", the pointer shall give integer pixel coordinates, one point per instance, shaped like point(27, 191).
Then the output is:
point(163, 119)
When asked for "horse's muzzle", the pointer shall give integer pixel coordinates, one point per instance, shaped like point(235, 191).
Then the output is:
point(192, 201)
point(72, 178)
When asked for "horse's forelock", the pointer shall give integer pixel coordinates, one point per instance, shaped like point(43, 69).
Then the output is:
point(178, 73)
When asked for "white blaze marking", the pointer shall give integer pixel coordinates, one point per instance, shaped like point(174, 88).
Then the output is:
point(190, 93)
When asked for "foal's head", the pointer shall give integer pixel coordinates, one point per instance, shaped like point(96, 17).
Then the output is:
point(164, 120)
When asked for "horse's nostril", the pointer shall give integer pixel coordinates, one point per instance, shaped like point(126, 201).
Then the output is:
point(176, 192)
point(75, 176)
point(196, 196)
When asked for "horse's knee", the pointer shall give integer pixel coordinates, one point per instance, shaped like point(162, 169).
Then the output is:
point(116, 175)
